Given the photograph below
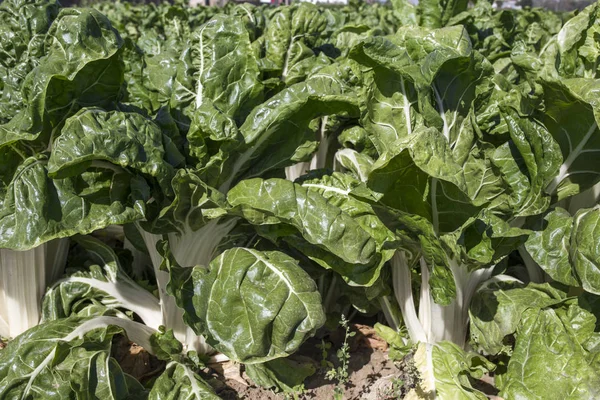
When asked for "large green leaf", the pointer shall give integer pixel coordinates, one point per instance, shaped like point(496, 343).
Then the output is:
point(253, 306)
point(577, 48)
point(73, 74)
point(289, 39)
point(23, 25)
point(35, 208)
point(217, 76)
point(275, 130)
point(276, 200)
point(579, 138)
point(125, 139)
point(496, 312)
point(435, 14)
point(549, 359)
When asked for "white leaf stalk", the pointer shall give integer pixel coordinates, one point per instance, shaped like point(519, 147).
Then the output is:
point(433, 323)
point(189, 248)
point(24, 277)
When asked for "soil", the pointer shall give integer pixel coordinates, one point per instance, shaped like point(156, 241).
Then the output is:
point(136, 361)
point(370, 371)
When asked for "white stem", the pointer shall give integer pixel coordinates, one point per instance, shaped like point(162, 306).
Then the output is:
point(295, 171)
point(189, 248)
point(587, 199)
point(24, 276)
point(126, 295)
point(138, 333)
point(403, 289)
point(499, 279)
point(425, 299)
point(319, 160)
point(450, 322)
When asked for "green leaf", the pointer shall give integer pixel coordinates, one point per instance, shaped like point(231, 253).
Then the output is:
point(566, 248)
point(127, 140)
point(73, 74)
point(70, 358)
point(496, 312)
point(331, 228)
point(179, 382)
point(578, 138)
point(23, 25)
point(36, 209)
point(547, 348)
point(282, 374)
point(253, 306)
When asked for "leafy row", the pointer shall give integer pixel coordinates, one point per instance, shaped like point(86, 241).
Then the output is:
point(216, 183)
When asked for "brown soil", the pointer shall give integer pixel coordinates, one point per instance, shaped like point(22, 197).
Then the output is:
point(136, 361)
point(371, 371)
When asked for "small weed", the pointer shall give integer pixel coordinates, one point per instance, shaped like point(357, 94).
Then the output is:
point(296, 394)
point(341, 374)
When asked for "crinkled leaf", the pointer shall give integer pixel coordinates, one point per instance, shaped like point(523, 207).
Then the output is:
point(253, 306)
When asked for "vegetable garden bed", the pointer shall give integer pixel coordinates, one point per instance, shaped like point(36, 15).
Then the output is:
point(367, 201)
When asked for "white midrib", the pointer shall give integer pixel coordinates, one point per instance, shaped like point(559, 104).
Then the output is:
point(147, 306)
point(350, 155)
point(327, 188)
point(406, 106)
point(193, 383)
point(287, 58)
point(564, 168)
point(200, 88)
point(442, 113)
point(273, 269)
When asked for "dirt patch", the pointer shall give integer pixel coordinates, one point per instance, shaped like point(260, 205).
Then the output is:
point(371, 374)
point(136, 361)
point(2, 344)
